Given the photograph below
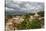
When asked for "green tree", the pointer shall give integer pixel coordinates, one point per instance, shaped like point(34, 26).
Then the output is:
point(26, 24)
point(36, 24)
point(41, 13)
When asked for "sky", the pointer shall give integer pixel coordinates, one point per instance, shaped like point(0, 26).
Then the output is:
point(19, 7)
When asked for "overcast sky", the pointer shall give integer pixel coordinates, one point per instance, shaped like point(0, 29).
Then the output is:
point(17, 6)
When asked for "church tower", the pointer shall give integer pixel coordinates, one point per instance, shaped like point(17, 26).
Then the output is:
point(36, 15)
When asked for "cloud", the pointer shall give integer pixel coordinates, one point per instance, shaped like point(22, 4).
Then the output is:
point(27, 7)
point(8, 9)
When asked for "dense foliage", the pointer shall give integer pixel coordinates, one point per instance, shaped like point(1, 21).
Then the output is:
point(26, 24)
point(34, 24)
point(41, 13)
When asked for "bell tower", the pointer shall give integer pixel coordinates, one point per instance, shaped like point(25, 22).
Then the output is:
point(36, 13)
